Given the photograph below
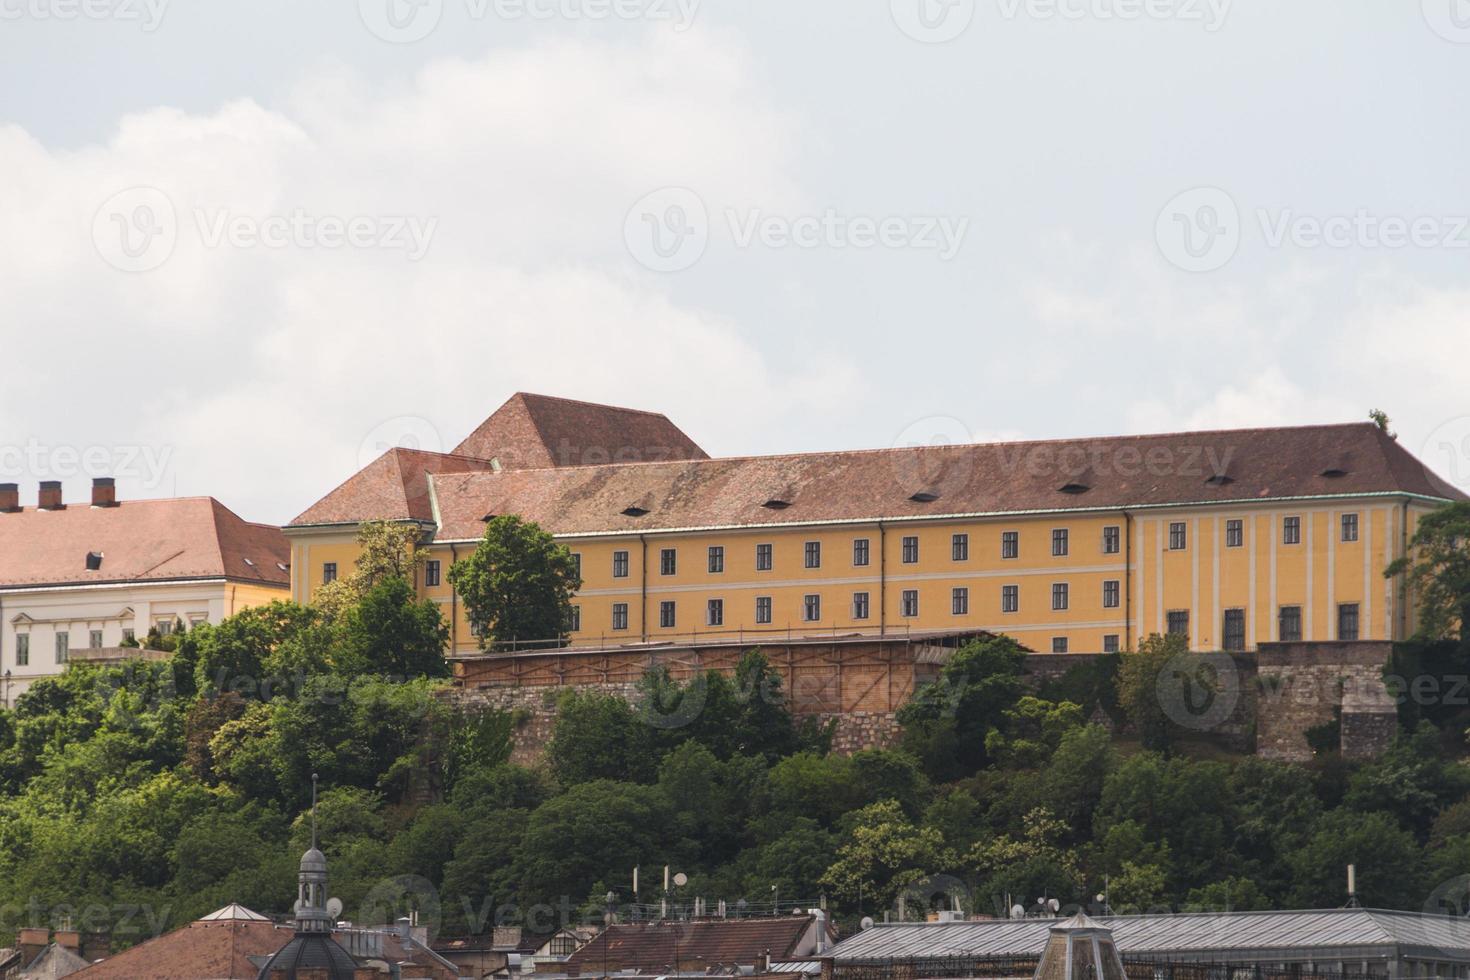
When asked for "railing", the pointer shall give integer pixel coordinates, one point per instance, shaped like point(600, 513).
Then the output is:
point(713, 637)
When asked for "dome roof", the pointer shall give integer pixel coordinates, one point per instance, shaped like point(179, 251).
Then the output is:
point(311, 952)
point(314, 860)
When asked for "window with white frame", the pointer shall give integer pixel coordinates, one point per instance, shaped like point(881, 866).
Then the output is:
point(860, 605)
point(910, 549)
point(714, 612)
point(861, 552)
point(764, 559)
point(620, 616)
point(620, 564)
point(763, 609)
point(716, 559)
point(959, 547)
point(666, 614)
point(1112, 593)
point(1059, 596)
point(959, 602)
point(1010, 598)
point(811, 608)
point(1112, 539)
point(1059, 542)
point(909, 603)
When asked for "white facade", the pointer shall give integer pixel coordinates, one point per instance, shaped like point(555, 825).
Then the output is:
point(33, 621)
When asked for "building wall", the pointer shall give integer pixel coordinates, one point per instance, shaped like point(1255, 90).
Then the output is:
point(1205, 578)
point(100, 616)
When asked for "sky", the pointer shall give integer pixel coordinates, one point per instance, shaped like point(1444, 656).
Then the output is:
point(245, 247)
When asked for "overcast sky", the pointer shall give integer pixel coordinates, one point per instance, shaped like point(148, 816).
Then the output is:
point(245, 246)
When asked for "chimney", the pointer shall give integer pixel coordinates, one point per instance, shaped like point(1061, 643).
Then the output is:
point(69, 939)
point(9, 498)
point(50, 498)
point(31, 941)
point(104, 492)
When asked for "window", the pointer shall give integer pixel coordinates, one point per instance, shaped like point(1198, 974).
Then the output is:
point(1178, 536)
point(910, 550)
point(762, 609)
point(563, 945)
point(22, 649)
point(1059, 596)
point(714, 613)
point(716, 559)
point(620, 564)
point(1059, 644)
point(1178, 620)
point(1112, 591)
point(1110, 643)
point(811, 608)
point(1010, 598)
point(620, 616)
point(860, 605)
point(763, 560)
point(129, 637)
point(94, 639)
point(1059, 542)
point(909, 603)
point(1291, 530)
point(666, 616)
point(63, 647)
point(1112, 539)
point(1010, 544)
point(164, 626)
point(959, 547)
point(1290, 619)
point(1234, 534)
point(1350, 527)
point(576, 623)
point(860, 552)
point(959, 602)
point(1347, 621)
point(329, 573)
point(813, 552)
point(1233, 635)
point(577, 563)
point(432, 572)
point(668, 561)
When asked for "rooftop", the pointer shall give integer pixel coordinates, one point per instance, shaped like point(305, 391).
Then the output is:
point(1361, 931)
point(139, 541)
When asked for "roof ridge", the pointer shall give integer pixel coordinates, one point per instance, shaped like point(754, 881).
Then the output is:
point(579, 401)
point(955, 446)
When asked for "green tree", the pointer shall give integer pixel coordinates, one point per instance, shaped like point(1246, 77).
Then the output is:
point(1437, 570)
point(947, 722)
point(884, 853)
point(386, 550)
point(1140, 675)
point(518, 584)
point(599, 736)
point(389, 631)
point(1390, 865)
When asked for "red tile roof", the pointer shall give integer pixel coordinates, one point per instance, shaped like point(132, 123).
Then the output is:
point(1237, 466)
point(538, 431)
point(139, 541)
point(528, 431)
point(394, 487)
point(693, 946)
point(198, 951)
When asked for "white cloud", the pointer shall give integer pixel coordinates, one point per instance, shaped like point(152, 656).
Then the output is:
point(263, 369)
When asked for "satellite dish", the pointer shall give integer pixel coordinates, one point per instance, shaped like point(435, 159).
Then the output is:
point(1018, 912)
point(867, 922)
point(334, 908)
point(681, 879)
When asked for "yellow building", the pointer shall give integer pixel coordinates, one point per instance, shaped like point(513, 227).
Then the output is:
point(1233, 538)
point(78, 580)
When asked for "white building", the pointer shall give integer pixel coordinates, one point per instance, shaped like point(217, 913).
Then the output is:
point(100, 574)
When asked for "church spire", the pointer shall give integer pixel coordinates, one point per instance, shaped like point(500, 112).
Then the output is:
point(311, 898)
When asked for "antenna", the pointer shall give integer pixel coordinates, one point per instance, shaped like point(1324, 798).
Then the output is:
point(1352, 902)
point(313, 811)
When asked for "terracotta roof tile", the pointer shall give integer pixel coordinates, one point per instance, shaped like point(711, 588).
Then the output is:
point(139, 541)
point(1234, 466)
point(694, 946)
point(198, 951)
point(538, 431)
point(394, 487)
